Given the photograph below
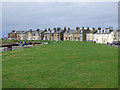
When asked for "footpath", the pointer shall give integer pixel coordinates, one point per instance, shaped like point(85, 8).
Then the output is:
point(18, 47)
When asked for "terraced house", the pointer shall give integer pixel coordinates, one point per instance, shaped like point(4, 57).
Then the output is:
point(21, 35)
point(108, 35)
point(55, 34)
point(17, 35)
point(99, 35)
point(27, 35)
point(35, 34)
point(12, 34)
point(90, 33)
point(76, 35)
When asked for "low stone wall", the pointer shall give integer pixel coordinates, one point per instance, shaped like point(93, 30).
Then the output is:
point(5, 49)
point(18, 47)
point(7, 43)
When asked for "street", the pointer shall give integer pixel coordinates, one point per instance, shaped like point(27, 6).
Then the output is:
point(115, 46)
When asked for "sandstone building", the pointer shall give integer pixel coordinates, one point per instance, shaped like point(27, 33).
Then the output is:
point(27, 35)
point(79, 34)
point(76, 34)
point(105, 36)
point(55, 34)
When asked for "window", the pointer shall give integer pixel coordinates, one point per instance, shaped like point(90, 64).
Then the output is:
point(113, 35)
point(69, 38)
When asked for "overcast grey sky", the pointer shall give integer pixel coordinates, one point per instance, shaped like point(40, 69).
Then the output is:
point(30, 15)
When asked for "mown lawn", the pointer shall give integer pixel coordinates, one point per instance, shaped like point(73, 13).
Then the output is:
point(61, 65)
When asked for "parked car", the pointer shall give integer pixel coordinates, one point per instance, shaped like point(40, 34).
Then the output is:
point(91, 41)
point(114, 43)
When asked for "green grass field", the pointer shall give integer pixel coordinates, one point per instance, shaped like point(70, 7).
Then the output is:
point(7, 40)
point(61, 65)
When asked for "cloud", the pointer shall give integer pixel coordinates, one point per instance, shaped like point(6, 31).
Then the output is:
point(23, 16)
point(60, 0)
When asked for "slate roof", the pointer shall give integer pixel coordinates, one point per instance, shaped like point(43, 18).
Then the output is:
point(73, 31)
point(69, 31)
point(92, 31)
point(105, 32)
point(32, 31)
point(54, 31)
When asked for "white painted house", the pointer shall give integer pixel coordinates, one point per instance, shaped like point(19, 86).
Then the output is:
point(105, 36)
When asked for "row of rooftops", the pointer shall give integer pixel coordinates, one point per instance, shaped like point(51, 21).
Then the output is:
point(67, 30)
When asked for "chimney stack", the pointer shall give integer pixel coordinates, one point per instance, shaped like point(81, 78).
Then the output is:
point(68, 28)
point(87, 28)
point(38, 30)
point(48, 29)
point(93, 29)
point(65, 28)
point(45, 29)
point(82, 28)
point(99, 28)
point(13, 30)
point(77, 28)
point(54, 28)
point(58, 28)
point(30, 30)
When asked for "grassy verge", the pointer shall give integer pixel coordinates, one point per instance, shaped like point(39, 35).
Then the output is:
point(61, 65)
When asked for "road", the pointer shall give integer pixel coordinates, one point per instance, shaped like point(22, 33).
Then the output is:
point(115, 46)
point(17, 47)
